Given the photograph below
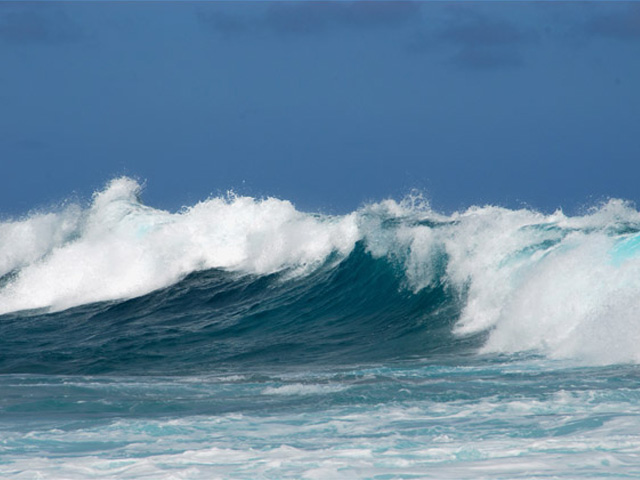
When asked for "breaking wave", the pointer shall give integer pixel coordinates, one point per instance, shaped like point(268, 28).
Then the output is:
point(236, 278)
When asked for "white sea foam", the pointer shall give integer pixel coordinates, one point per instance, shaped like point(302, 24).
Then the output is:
point(567, 287)
point(454, 440)
point(26, 241)
point(566, 298)
point(119, 248)
point(303, 389)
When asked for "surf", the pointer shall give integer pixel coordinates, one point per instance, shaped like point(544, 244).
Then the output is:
point(258, 280)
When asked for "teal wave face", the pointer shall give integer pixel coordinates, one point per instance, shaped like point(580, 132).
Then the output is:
point(119, 286)
point(626, 248)
point(245, 339)
point(355, 311)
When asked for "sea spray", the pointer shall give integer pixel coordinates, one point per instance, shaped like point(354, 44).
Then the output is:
point(561, 286)
point(243, 338)
point(121, 248)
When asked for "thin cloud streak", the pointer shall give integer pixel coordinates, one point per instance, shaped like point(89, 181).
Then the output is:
point(475, 40)
point(623, 24)
point(37, 24)
point(311, 17)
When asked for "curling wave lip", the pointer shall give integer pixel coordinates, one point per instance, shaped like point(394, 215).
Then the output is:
point(561, 286)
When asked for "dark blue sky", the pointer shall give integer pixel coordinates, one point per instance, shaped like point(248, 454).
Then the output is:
point(327, 104)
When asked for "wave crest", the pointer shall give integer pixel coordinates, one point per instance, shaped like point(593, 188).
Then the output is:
point(566, 287)
point(119, 248)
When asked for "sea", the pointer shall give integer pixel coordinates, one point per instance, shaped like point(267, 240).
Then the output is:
point(242, 338)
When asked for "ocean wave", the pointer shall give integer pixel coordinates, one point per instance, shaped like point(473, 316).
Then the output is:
point(557, 285)
point(119, 248)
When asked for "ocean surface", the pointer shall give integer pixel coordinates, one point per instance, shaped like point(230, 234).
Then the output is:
point(241, 338)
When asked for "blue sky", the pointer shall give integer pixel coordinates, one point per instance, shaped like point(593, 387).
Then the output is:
point(327, 104)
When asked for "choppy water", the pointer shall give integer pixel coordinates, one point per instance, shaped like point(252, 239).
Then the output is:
point(241, 338)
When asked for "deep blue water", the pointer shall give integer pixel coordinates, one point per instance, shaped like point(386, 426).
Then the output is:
point(241, 338)
point(349, 313)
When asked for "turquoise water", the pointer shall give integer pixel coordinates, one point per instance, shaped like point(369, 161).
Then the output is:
point(488, 418)
point(241, 338)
